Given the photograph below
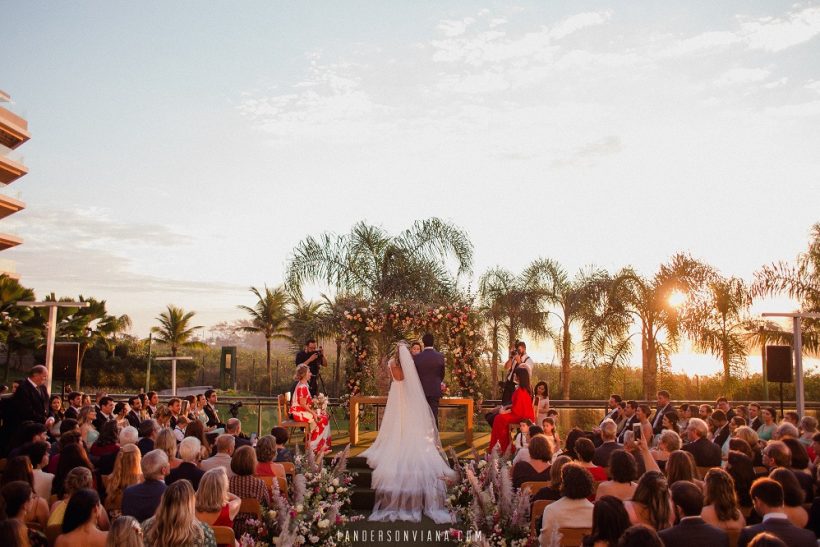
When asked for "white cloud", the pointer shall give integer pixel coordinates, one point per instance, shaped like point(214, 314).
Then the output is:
point(779, 33)
point(452, 28)
point(814, 86)
point(579, 21)
point(777, 83)
point(701, 43)
point(741, 75)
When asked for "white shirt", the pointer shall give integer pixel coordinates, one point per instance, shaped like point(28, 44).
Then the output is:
point(768, 516)
point(219, 460)
point(526, 362)
point(42, 483)
point(522, 455)
point(565, 513)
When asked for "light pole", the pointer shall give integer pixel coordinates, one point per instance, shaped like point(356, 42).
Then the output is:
point(51, 330)
point(173, 360)
point(797, 318)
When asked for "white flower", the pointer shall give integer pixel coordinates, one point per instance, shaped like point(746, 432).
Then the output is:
point(329, 489)
point(314, 539)
point(299, 508)
point(341, 489)
point(300, 539)
point(482, 463)
point(335, 482)
point(324, 523)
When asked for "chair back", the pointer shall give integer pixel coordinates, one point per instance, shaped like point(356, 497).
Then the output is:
point(534, 486)
point(224, 535)
point(281, 407)
point(536, 512)
point(734, 536)
point(283, 486)
point(52, 531)
point(251, 506)
point(290, 468)
point(573, 537)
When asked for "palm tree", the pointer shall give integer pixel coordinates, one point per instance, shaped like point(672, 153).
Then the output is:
point(109, 327)
point(646, 300)
point(307, 319)
point(174, 329)
point(369, 262)
point(268, 317)
point(79, 325)
point(13, 318)
point(716, 324)
point(800, 281)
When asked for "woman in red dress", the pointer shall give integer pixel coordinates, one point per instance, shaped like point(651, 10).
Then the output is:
point(302, 410)
point(520, 410)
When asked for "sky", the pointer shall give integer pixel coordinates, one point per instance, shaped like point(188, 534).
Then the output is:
point(181, 150)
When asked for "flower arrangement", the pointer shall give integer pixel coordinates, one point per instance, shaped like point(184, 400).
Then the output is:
point(484, 500)
point(315, 510)
point(320, 403)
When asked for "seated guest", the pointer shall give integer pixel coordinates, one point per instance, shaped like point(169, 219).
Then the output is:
point(86, 422)
point(38, 455)
point(523, 454)
point(551, 431)
point(808, 428)
point(776, 454)
point(791, 417)
point(720, 427)
point(799, 466)
point(216, 506)
point(722, 509)
point(105, 448)
point(734, 424)
point(707, 453)
point(141, 500)
point(19, 468)
point(740, 445)
point(244, 485)
point(623, 470)
point(234, 427)
point(265, 452)
point(31, 432)
point(80, 521)
point(609, 521)
point(180, 426)
point(133, 415)
point(651, 504)
point(222, 458)
point(175, 521)
point(668, 442)
point(739, 466)
point(680, 467)
point(127, 472)
point(189, 452)
point(586, 451)
point(670, 422)
point(19, 500)
point(148, 430)
point(573, 509)
point(77, 479)
point(767, 496)
point(120, 414)
point(128, 435)
point(608, 431)
point(125, 532)
point(768, 425)
point(538, 468)
point(281, 436)
point(553, 490)
point(640, 535)
point(167, 442)
point(792, 496)
point(572, 437)
point(691, 528)
point(71, 437)
point(197, 429)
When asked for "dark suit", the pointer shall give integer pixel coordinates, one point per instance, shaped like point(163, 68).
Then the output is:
point(722, 435)
point(783, 529)
point(706, 453)
point(141, 500)
point(239, 442)
point(627, 427)
point(657, 421)
point(213, 419)
point(602, 453)
point(694, 531)
point(186, 470)
point(100, 421)
point(756, 423)
point(73, 413)
point(430, 367)
point(133, 419)
point(145, 445)
point(28, 403)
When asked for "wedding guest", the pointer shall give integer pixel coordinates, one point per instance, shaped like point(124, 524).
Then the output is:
point(808, 428)
point(175, 521)
point(55, 408)
point(705, 412)
point(196, 429)
point(189, 452)
point(721, 503)
point(743, 412)
point(573, 509)
point(614, 409)
point(180, 427)
point(692, 529)
point(586, 451)
point(799, 465)
point(244, 485)
point(77, 479)
point(141, 500)
point(302, 410)
point(175, 408)
point(153, 402)
point(680, 467)
point(776, 454)
point(75, 399)
point(754, 416)
point(647, 431)
point(265, 452)
point(572, 437)
point(105, 412)
point(282, 452)
point(706, 453)
point(222, 458)
point(630, 419)
point(125, 532)
point(651, 504)
point(38, 455)
point(609, 521)
point(121, 411)
point(668, 442)
point(769, 425)
point(734, 424)
point(767, 495)
point(669, 422)
point(163, 417)
point(523, 455)
point(739, 466)
point(640, 535)
point(167, 442)
point(19, 500)
point(792, 497)
point(127, 472)
point(134, 416)
point(30, 432)
point(86, 421)
point(624, 470)
point(18, 469)
point(750, 436)
point(211, 412)
point(15, 532)
point(664, 406)
point(608, 445)
point(553, 490)
point(216, 506)
point(792, 417)
point(551, 432)
point(148, 431)
point(80, 521)
point(541, 401)
point(724, 406)
point(415, 348)
point(71, 456)
point(234, 427)
point(521, 409)
point(538, 466)
point(105, 448)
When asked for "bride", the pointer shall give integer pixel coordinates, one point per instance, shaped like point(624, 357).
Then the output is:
point(408, 466)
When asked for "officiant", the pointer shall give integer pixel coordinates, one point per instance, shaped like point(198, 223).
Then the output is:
point(518, 360)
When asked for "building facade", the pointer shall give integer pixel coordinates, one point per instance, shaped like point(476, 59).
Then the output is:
point(13, 133)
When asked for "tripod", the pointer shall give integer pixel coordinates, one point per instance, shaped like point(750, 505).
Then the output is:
point(320, 380)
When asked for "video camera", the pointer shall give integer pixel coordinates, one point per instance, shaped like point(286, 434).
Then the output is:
point(234, 408)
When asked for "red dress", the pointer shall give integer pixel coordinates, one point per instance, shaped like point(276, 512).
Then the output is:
point(224, 519)
point(320, 436)
point(521, 409)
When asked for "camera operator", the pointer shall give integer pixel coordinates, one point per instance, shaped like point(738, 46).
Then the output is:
point(518, 359)
point(314, 358)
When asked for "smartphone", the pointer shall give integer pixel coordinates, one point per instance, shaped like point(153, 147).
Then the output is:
point(183, 409)
point(629, 437)
point(253, 439)
point(637, 429)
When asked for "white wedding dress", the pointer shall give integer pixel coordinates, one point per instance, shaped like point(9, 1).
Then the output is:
point(408, 465)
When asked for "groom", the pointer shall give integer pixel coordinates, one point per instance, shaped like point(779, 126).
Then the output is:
point(430, 365)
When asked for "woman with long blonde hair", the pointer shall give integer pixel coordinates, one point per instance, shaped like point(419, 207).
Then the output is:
point(175, 523)
point(167, 442)
point(125, 532)
point(216, 506)
point(127, 472)
point(721, 507)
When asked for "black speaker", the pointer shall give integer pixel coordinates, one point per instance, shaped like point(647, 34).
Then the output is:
point(779, 364)
point(66, 359)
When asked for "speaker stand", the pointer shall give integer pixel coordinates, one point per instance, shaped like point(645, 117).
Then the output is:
point(781, 400)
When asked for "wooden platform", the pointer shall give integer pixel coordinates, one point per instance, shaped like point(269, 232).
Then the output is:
point(449, 439)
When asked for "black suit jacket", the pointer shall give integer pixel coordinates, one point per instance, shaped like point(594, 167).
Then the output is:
point(783, 529)
point(694, 531)
point(213, 419)
point(133, 419)
point(430, 366)
point(722, 436)
point(28, 404)
point(100, 421)
point(602, 453)
point(627, 427)
point(72, 413)
point(145, 445)
point(756, 423)
point(239, 442)
point(706, 453)
point(186, 470)
point(657, 420)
